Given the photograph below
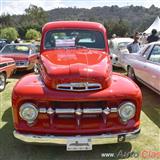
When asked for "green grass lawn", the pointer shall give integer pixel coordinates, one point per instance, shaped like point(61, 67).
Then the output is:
point(12, 149)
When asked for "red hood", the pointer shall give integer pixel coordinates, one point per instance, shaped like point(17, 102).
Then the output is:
point(75, 65)
point(16, 57)
point(2, 59)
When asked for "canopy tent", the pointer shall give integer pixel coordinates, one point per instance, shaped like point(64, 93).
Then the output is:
point(155, 25)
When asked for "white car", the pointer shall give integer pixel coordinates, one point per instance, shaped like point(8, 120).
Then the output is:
point(144, 66)
point(118, 47)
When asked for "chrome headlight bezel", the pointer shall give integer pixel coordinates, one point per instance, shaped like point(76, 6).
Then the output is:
point(28, 108)
point(127, 111)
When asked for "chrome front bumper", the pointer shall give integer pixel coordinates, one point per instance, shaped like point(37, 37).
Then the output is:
point(96, 139)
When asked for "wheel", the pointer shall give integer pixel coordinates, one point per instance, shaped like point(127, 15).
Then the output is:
point(35, 69)
point(2, 81)
point(130, 73)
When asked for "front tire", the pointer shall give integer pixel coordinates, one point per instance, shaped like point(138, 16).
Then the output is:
point(2, 81)
point(130, 73)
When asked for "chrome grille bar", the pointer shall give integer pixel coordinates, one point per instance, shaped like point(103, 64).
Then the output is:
point(81, 86)
point(63, 111)
point(78, 111)
point(92, 110)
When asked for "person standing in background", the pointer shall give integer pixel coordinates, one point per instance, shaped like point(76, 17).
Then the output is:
point(135, 45)
point(153, 37)
point(143, 39)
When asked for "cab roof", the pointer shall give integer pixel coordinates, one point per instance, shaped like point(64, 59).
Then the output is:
point(73, 24)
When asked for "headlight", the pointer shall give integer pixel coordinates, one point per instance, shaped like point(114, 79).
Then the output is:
point(28, 112)
point(127, 111)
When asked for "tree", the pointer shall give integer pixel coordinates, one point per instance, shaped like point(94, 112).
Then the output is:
point(120, 28)
point(9, 33)
point(32, 34)
point(36, 16)
point(5, 20)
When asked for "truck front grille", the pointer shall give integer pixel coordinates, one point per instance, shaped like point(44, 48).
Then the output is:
point(81, 86)
point(78, 112)
point(21, 63)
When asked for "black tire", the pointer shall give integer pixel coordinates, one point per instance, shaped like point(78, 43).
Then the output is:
point(2, 81)
point(130, 73)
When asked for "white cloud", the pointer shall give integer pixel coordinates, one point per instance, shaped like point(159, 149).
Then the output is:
point(18, 6)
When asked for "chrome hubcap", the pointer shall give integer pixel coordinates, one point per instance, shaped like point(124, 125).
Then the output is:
point(35, 68)
point(2, 82)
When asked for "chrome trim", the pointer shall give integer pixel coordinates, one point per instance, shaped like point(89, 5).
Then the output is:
point(78, 111)
point(113, 110)
point(50, 111)
point(95, 139)
point(63, 111)
point(42, 110)
point(83, 86)
point(106, 111)
point(28, 105)
point(92, 110)
point(122, 105)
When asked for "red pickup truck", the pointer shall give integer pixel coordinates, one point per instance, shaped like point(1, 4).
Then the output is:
point(7, 66)
point(76, 100)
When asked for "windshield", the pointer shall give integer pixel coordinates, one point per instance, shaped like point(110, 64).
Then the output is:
point(15, 49)
point(74, 38)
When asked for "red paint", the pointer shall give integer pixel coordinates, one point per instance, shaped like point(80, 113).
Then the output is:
point(75, 65)
point(8, 68)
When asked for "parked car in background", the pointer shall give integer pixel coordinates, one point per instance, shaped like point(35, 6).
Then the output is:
point(76, 100)
point(7, 66)
point(25, 55)
point(144, 66)
point(118, 47)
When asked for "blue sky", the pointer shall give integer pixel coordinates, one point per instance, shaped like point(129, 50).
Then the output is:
point(18, 6)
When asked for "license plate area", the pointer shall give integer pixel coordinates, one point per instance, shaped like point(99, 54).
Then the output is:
point(79, 144)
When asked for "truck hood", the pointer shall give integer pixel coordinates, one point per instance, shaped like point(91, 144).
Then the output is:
point(75, 65)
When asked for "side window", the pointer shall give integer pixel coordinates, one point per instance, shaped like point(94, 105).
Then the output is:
point(145, 51)
point(155, 54)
